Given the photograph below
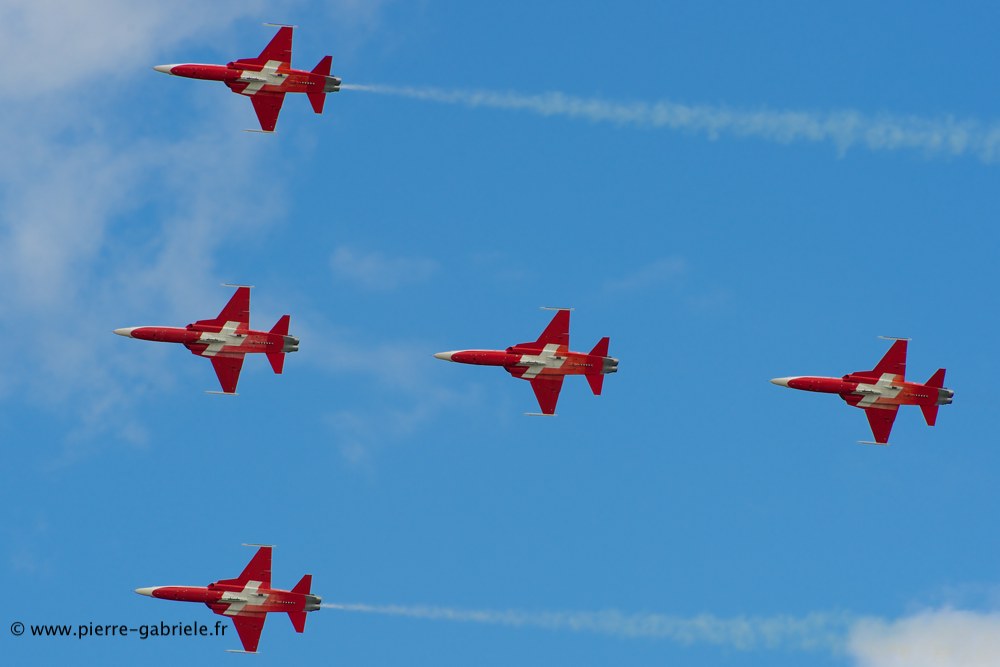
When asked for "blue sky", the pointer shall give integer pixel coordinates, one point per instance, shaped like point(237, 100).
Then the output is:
point(730, 192)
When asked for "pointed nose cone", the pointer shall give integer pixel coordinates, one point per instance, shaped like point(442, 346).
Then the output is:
point(781, 382)
point(445, 356)
point(126, 331)
point(164, 68)
point(146, 591)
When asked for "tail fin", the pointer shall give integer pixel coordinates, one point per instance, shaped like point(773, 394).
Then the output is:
point(596, 380)
point(298, 618)
point(321, 72)
point(937, 380)
point(601, 349)
point(930, 413)
point(281, 326)
point(277, 358)
point(305, 583)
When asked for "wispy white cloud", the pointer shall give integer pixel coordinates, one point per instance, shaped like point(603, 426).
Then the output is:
point(932, 638)
point(845, 129)
point(360, 432)
point(378, 272)
point(657, 273)
point(58, 45)
point(392, 375)
point(75, 255)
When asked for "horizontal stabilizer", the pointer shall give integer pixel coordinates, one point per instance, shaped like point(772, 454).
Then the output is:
point(930, 413)
point(277, 360)
point(317, 99)
point(937, 380)
point(323, 67)
point(596, 382)
point(281, 326)
point(298, 620)
point(601, 349)
point(305, 583)
point(317, 96)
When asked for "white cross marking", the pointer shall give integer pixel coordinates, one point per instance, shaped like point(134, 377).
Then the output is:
point(267, 76)
point(884, 388)
point(238, 600)
point(537, 362)
point(224, 338)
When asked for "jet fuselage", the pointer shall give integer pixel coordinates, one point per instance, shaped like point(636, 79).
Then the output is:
point(269, 78)
point(246, 599)
point(530, 362)
point(881, 390)
point(215, 340)
point(226, 339)
point(863, 391)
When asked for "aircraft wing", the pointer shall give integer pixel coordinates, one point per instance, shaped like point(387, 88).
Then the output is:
point(267, 106)
point(249, 627)
point(557, 333)
point(278, 49)
point(258, 569)
point(236, 310)
point(228, 368)
point(894, 361)
point(881, 419)
point(547, 389)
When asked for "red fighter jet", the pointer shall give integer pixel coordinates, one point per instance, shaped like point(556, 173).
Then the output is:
point(545, 362)
point(266, 78)
point(226, 340)
point(248, 598)
point(880, 391)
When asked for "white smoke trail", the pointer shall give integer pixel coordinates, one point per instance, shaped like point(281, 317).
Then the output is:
point(809, 633)
point(845, 129)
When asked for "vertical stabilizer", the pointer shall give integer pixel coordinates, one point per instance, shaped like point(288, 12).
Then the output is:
point(937, 380)
point(305, 583)
point(277, 358)
point(317, 96)
point(601, 349)
point(298, 619)
point(281, 326)
point(930, 413)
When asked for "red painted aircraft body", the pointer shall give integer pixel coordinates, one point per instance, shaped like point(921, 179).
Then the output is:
point(880, 391)
point(545, 362)
point(267, 78)
point(226, 339)
point(247, 599)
